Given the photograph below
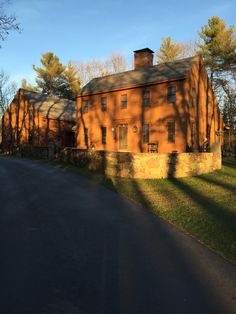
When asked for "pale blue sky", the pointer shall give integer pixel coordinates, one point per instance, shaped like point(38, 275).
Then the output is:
point(85, 30)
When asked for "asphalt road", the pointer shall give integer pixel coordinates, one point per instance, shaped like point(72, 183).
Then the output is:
point(70, 246)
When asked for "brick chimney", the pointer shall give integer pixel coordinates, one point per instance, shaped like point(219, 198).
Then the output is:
point(143, 58)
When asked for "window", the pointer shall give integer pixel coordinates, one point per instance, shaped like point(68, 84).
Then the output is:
point(194, 97)
point(171, 131)
point(85, 106)
point(208, 131)
point(124, 101)
point(193, 133)
point(104, 135)
point(104, 104)
point(86, 136)
point(146, 133)
point(171, 94)
point(146, 98)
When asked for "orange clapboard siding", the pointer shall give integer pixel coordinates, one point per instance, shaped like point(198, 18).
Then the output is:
point(177, 124)
point(36, 119)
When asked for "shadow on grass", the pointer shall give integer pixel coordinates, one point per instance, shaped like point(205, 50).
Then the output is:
point(229, 162)
point(207, 204)
point(204, 217)
point(214, 181)
point(221, 213)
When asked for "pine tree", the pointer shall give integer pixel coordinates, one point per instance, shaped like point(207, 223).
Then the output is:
point(169, 50)
point(50, 75)
point(217, 45)
point(218, 48)
point(27, 86)
point(71, 82)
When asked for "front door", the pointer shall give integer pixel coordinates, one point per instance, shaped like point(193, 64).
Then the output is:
point(123, 132)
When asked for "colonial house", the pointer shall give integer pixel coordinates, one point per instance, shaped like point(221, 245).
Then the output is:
point(37, 119)
point(163, 108)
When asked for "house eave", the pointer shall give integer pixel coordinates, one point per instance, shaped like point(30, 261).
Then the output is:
point(131, 87)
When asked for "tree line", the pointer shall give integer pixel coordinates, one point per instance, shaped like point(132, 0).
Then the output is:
point(66, 80)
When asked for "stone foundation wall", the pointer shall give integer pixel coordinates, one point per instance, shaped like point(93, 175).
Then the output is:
point(144, 166)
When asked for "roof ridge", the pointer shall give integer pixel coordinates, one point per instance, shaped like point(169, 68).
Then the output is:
point(47, 96)
point(28, 90)
point(182, 59)
point(133, 70)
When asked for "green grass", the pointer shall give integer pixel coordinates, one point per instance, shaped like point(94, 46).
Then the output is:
point(203, 206)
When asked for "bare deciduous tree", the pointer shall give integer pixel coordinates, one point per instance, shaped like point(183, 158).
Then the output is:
point(118, 62)
point(7, 91)
point(8, 22)
point(189, 48)
point(115, 63)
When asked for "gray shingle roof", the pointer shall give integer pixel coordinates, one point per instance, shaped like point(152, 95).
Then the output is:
point(157, 73)
point(52, 107)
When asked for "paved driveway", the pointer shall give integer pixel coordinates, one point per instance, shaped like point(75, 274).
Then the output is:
point(70, 246)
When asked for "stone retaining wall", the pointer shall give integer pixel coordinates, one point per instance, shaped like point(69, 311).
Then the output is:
point(140, 165)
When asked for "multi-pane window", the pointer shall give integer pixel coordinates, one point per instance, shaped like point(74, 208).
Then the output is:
point(86, 136)
point(104, 135)
point(193, 132)
point(208, 131)
point(146, 133)
point(124, 101)
point(171, 94)
point(104, 103)
point(171, 131)
point(85, 106)
point(146, 98)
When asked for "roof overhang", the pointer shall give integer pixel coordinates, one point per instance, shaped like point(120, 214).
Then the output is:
point(181, 78)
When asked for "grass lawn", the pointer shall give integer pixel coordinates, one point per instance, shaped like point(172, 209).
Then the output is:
point(203, 206)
